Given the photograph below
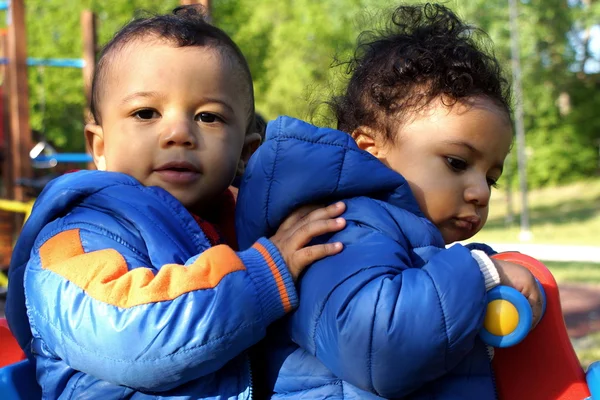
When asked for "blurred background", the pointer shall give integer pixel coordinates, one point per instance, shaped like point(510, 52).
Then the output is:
point(548, 201)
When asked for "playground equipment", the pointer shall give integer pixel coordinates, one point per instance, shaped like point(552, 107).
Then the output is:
point(542, 365)
point(17, 141)
point(10, 352)
point(508, 317)
point(13, 367)
point(43, 155)
point(17, 382)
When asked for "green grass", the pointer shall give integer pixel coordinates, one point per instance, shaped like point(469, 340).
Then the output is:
point(567, 215)
point(574, 272)
point(587, 347)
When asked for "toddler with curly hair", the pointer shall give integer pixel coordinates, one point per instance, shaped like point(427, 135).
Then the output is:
point(424, 128)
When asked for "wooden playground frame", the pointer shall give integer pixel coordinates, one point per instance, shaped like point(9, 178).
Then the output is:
point(14, 103)
point(14, 111)
point(18, 141)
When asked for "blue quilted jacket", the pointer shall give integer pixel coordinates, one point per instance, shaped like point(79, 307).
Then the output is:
point(395, 314)
point(116, 293)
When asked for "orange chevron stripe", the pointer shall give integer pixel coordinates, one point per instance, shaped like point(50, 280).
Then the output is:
point(104, 275)
point(283, 294)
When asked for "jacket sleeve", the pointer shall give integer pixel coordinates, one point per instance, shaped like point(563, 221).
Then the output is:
point(383, 325)
point(100, 305)
point(481, 246)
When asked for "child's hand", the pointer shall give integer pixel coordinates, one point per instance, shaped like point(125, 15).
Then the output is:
point(300, 228)
point(519, 278)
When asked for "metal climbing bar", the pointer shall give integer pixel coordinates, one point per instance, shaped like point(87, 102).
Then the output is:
point(15, 206)
point(65, 158)
point(51, 62)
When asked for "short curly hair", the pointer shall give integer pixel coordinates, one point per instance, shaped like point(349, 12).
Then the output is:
point(184, 27)
point(424, 53)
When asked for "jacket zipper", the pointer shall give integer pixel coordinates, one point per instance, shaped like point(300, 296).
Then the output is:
point(251, 383)
point(490, 353)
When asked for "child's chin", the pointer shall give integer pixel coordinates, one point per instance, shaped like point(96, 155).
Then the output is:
point(456, 237)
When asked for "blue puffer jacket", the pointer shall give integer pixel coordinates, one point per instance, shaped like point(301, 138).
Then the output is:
point(395, 314)
point(116, 293)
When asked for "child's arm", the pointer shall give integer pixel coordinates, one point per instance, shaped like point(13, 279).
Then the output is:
point(98, 303)
point(382, 325)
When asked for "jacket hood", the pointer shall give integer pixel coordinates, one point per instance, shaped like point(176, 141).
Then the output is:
point(300, 164)
point(58, 198)
point(82, 189)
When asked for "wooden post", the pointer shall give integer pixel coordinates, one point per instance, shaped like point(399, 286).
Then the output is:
point(20, 131)
point(205, 3)
point(88, 34)
point(7, 183)
point(7, 220)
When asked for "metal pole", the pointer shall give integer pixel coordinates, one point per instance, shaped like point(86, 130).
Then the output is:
point(7, 181)
point(525, 233)
point(508, 171)
point(88, 31)
point(90, 45)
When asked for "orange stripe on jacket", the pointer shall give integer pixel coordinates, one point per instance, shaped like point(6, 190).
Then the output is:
point(104, 275)
point(283, 294)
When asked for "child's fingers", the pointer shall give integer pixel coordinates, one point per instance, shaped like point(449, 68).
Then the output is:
point(535, 300)
point(317, 215)
point(300, 228)
point(298, 215)
point(331, 211)
point(320, 213)
point(309, 255)
point(312, 229)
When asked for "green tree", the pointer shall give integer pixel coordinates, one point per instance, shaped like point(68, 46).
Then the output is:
point(291, 46)
point(557, 99)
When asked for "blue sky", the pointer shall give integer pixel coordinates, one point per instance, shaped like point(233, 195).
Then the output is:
point(593, 65)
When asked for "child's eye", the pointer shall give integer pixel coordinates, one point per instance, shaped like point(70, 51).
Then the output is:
point(492, 182)
point(208, 118)
point(456, 163)
point(145, 114)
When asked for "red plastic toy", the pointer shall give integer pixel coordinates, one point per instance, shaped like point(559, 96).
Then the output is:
point(10, 352)
point(544, 365)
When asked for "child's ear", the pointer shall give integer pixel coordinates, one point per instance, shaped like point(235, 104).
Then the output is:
point(94, 137)
point(251, 143)
point(368, 140)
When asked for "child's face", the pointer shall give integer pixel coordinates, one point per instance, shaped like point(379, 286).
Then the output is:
point(451, 157)
point(172, 117)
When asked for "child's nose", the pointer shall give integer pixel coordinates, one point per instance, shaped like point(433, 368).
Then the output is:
point(179, 133)
point(478, 193)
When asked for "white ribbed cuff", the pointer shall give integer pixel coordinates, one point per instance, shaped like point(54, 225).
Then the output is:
point(487, 268)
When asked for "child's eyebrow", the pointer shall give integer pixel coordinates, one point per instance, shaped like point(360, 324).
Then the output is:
point(145, 95)
point(473, 150)
point(219, 101)
point(461, 143)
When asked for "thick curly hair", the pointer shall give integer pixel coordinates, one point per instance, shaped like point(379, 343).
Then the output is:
point(424, 53)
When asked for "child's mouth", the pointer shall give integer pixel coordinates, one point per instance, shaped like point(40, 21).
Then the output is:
point(467, 223)
point(178, 172)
